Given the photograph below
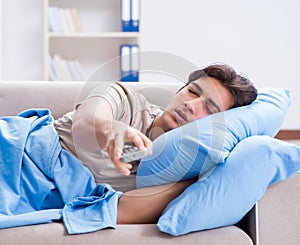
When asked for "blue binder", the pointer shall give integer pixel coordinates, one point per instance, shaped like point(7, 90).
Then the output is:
point(129, 62)
point(130, 15)
point(135, 15)
point(125, 15)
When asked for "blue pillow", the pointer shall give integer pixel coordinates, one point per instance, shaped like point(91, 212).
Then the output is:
point(197, 147)
point(232, 189)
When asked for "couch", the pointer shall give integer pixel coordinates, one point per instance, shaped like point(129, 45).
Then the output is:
point(275, 219)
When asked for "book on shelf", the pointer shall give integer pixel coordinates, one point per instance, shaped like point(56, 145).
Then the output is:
point(76, 19)
point(64, 20)
point(54, 22)
point(129, 62)
point(65, 69)
point(130, 15)
point(53, 72)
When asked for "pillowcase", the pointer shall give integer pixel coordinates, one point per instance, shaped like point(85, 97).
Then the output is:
point(232, 189)
point(197, 147)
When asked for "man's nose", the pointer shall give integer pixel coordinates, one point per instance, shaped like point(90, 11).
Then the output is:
point(195, 106)
point(189, 107)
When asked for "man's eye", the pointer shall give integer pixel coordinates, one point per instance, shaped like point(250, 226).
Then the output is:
point(210, 108)
point(193, 92)
point(209, 111)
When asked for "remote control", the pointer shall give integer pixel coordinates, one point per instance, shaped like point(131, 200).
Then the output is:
point(131, 153)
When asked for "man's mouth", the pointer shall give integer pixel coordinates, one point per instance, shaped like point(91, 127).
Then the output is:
point(180, 116)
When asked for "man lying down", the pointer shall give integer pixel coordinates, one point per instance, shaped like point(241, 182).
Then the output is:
point(43, 180)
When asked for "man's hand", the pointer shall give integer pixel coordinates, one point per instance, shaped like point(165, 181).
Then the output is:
point(119, 135)
point(94, 127)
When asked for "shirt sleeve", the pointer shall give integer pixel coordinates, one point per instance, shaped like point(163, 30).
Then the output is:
point(114, 94)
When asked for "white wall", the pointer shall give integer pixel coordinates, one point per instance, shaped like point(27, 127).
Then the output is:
point(260, 38)
point(22, 39)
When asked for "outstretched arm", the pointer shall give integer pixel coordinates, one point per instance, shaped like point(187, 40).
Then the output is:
point(94, 128)
point(145, 205)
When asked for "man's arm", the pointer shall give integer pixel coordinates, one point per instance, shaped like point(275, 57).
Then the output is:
point(94, 127)
point(145, 205)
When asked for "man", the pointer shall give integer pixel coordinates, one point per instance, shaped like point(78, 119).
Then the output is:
point(111, 116)
point(107, 118)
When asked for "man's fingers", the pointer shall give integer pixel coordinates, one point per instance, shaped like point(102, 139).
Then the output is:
point(118, 148)
point(116, 144)
point(142, 141)
point(139, 139)
point(124, 168)
point(147, 143)
point(115, 153)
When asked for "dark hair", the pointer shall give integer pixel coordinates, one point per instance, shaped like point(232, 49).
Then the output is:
point(241, 88)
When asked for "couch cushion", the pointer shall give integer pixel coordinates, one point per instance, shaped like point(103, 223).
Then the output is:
point(59, 97)
point(55, 233)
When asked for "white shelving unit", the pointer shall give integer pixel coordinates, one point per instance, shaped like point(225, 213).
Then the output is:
point(99, 40)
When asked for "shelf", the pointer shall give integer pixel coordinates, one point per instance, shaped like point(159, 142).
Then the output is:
point(94, 35)
point(97, 41)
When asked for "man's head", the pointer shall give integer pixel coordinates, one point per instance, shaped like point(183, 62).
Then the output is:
point(240, 87)
point(212, 89)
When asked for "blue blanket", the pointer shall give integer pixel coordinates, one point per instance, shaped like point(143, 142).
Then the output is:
point(40, 182)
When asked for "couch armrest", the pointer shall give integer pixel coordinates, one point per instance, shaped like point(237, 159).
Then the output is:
point(278, 213)
point(249, 224)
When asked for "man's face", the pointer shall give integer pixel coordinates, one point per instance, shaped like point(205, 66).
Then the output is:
point(200, 98)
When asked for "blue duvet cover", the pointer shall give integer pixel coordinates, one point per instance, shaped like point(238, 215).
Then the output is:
point(40, 182)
